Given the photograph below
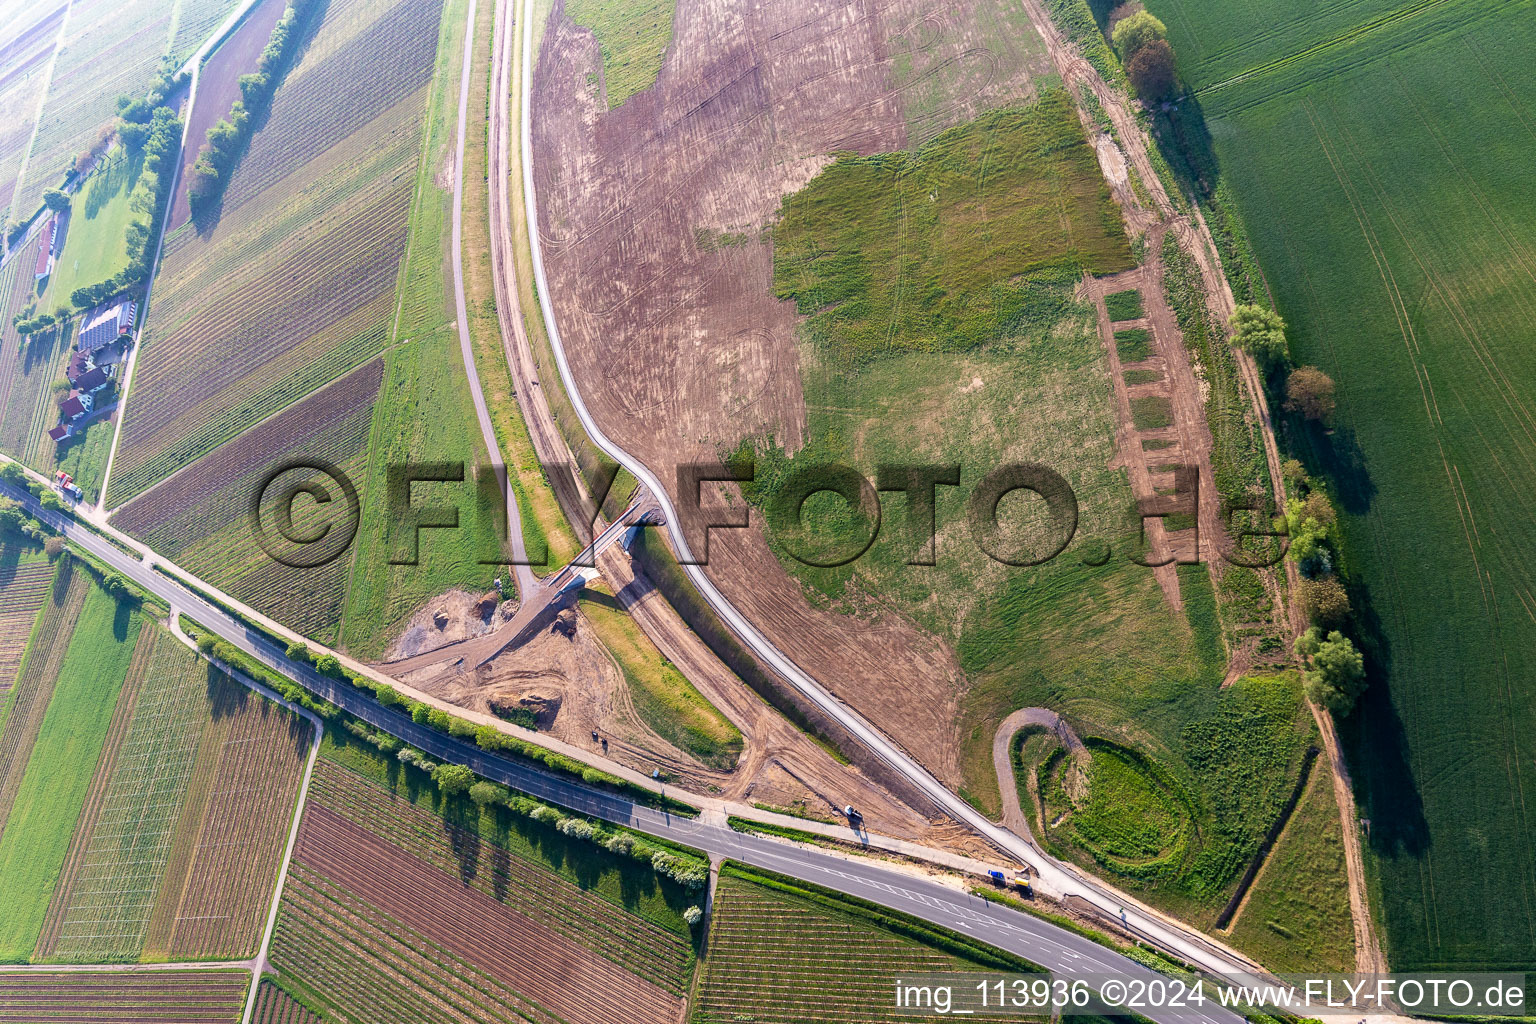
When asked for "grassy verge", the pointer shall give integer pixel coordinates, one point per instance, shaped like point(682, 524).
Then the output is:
point(663, 698)
point(423, 413)
point(96, 247)
point(1296, 916)
point(63, 761)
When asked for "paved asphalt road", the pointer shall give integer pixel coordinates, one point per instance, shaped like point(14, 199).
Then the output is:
point(1035, 940)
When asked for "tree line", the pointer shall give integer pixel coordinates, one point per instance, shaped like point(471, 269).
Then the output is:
point(229, 136)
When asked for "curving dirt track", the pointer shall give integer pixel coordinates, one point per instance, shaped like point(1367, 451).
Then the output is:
point(1002, 759)
point(680, 346)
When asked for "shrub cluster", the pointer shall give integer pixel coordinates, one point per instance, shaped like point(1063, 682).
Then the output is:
point(1142, 42)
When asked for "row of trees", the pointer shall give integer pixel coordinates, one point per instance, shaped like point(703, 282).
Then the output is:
point(228, 137)
point(1141, 41)
point(1333, 670)
point(1260, 331)
point(456, 779)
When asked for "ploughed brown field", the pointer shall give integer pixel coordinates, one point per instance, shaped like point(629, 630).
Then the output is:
point(386, 900)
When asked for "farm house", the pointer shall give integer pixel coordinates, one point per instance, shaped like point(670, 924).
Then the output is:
point(106, 323)
point(76, 405)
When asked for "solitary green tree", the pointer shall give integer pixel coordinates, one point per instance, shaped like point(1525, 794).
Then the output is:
point(1132, 33)
point(1333, 671)
point(1260, 332)
point(56, 199)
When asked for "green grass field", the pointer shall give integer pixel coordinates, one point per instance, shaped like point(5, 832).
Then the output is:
point(101, 910)
point(923, 251)
point(1296, 917)
point(1394, 238)
point(1133, 344)
point(96, 247)
point(633, 38)
point(1151, 412)
point(1178, 817)
point(62, 763)
point(663, 698)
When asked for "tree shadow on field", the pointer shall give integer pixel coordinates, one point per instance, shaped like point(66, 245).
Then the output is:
point(1377, 747)
point(1338, 457)
point(461, 824)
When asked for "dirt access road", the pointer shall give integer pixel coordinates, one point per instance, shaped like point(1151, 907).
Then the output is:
point(1195, 237)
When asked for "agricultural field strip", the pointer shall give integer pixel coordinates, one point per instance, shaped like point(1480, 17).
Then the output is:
point(274, 1006)
point(116, 54)
point(118, 880)
point(123, 998)
point(197, 517)
point(28, 700)
point(544, 965)
point(328, 326)
point(236, 858)
point(24, 594)
point(774, 959)
point(205, 485)
point(375, 70)
point(353, 261)
point(85, 821)
point(328, 938)
point(529, 889)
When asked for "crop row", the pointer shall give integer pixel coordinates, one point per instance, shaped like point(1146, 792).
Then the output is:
point(23, 594)
point(225, 369)
point(315, 420)
point(327, 102)
point(115, 55)
point(114, 732)
point(544, 965)
point(274, 1006)
point(775, 959)
point(240, 840)
point(533, 891)
point(121, 998)
point(373, 969)
point(105, 897)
